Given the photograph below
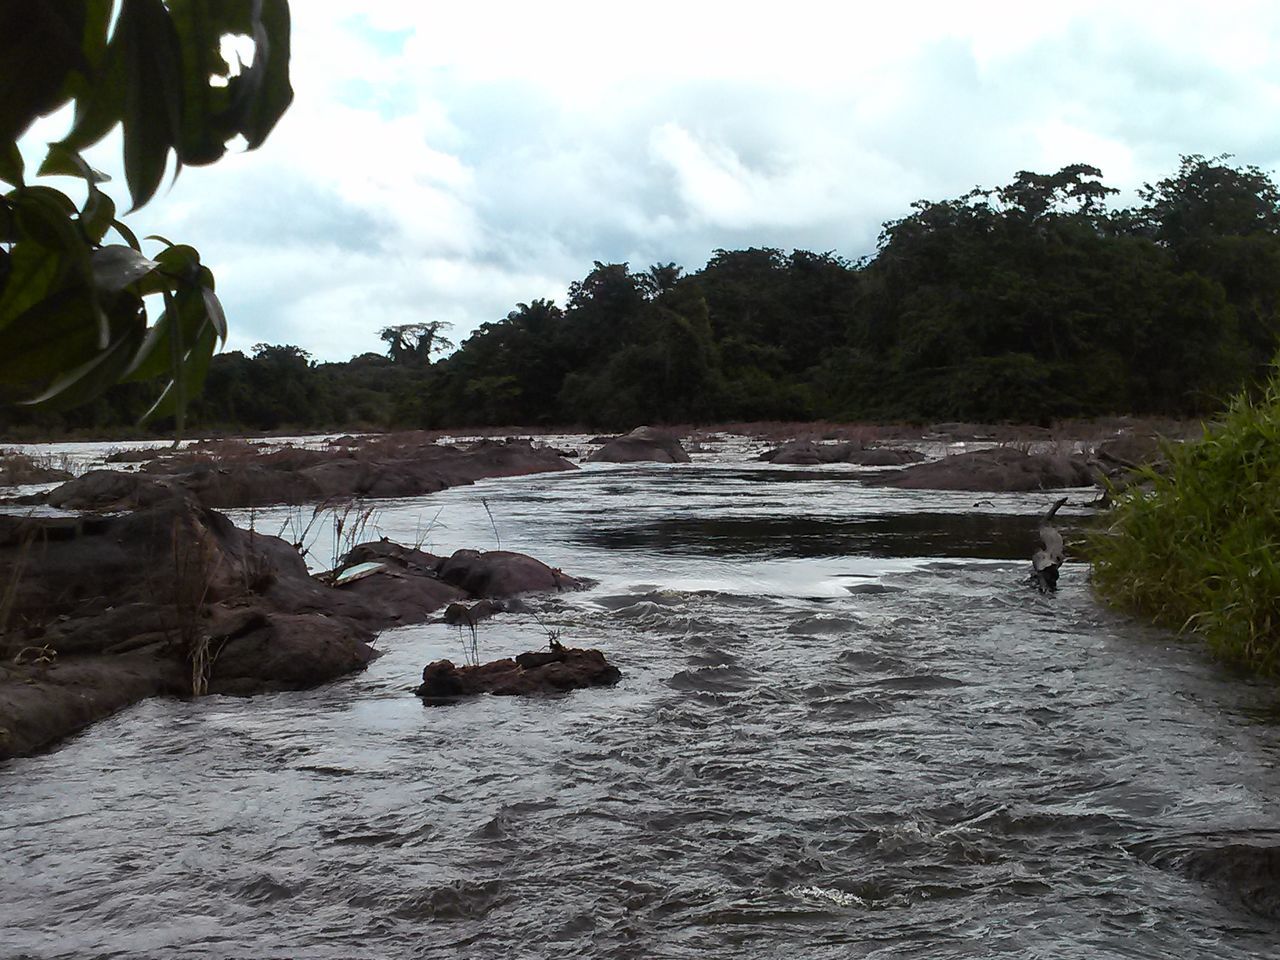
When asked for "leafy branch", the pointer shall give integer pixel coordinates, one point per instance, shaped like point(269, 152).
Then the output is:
point(73, 317)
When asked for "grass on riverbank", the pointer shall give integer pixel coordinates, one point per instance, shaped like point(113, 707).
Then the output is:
point(1198, 548)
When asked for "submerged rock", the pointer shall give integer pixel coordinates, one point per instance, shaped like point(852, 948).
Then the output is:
point(552, 671)
point(641, 444)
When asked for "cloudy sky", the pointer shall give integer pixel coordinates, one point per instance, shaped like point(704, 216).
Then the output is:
point(446, 161)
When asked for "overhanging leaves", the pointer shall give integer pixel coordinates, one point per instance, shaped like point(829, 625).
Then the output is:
point(148, 47)
point(116, 267)
point(71, 315)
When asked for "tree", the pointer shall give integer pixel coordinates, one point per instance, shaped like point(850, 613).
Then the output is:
point(73, 320)
point(416, 342)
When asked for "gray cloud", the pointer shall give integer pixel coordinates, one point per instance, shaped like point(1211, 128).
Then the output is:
point(449, 169)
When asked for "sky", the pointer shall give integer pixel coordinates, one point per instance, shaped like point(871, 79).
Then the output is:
point(444, 162)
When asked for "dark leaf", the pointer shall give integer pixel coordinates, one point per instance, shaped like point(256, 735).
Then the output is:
point(39, 46)
point(261, 93)
point(61, 161)
point(57, 333)
point(33, 274)
point(159, 352)
point(11, 165)
point(86, 381)
point(213, 309)
point(200, 25)
point(148, 46)
point(44, 215)
point(97, 216)
point(126, 234)
point(116, 267)
point(195, 368)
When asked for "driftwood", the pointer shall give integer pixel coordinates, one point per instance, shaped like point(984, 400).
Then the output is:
point(1046, 561)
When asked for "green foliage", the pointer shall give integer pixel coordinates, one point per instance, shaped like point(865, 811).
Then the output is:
point(1197, 548)
point(72, 316)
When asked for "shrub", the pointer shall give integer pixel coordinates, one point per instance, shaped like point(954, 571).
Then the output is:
point(1195, 548)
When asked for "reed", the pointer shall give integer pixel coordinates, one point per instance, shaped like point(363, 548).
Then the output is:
point(1198, 548)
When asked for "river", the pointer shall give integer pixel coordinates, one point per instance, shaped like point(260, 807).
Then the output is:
point(846, 728)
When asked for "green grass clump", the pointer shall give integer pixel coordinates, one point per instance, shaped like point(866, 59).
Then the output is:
point(1196, 549)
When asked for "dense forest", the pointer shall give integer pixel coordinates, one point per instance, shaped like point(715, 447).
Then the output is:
point(1030, 302)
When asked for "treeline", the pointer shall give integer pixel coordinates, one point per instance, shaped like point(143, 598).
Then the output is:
point(1030, 302)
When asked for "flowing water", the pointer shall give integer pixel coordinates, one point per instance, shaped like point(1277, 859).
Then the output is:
point(846, 728)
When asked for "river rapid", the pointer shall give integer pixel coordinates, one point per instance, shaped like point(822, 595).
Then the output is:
point(846, 727)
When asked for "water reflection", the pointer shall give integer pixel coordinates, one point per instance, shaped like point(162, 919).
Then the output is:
point(987, 536)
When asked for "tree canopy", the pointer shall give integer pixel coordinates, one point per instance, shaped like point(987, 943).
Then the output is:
point(1034, 301)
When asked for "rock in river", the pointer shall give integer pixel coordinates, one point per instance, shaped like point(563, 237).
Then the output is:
point(642, 443)
point(552, 671)
point(1000, 469)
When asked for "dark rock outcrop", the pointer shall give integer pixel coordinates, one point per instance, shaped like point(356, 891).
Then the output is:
point(108, 490)
point(236, 474)
point(553, 671)
point(501, 573)
point(18, 468)
point(1121, 460)
point(884, 457)
point(43, 702)
point(1000, 469)
point(641, 444)
point(1131, 450)
point(257, 651)
point(109, 610)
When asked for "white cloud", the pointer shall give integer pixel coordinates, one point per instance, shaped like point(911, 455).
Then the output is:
point(450, 160)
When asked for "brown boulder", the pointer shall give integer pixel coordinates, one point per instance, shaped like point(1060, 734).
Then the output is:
point(41, 703)
point(554, 671)
point(398, 597)
point(808, 453)
point(256, 651)
point(501, 573)
point(641, 444)
point(1000, 469)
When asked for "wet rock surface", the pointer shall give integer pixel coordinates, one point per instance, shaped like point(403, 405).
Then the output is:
point(109, 610)
point(237, 474)
point(108, 490)
point(553, 671)
point(641, 444)
point(18, 468)
point(501, 573)
point(1000, 469)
